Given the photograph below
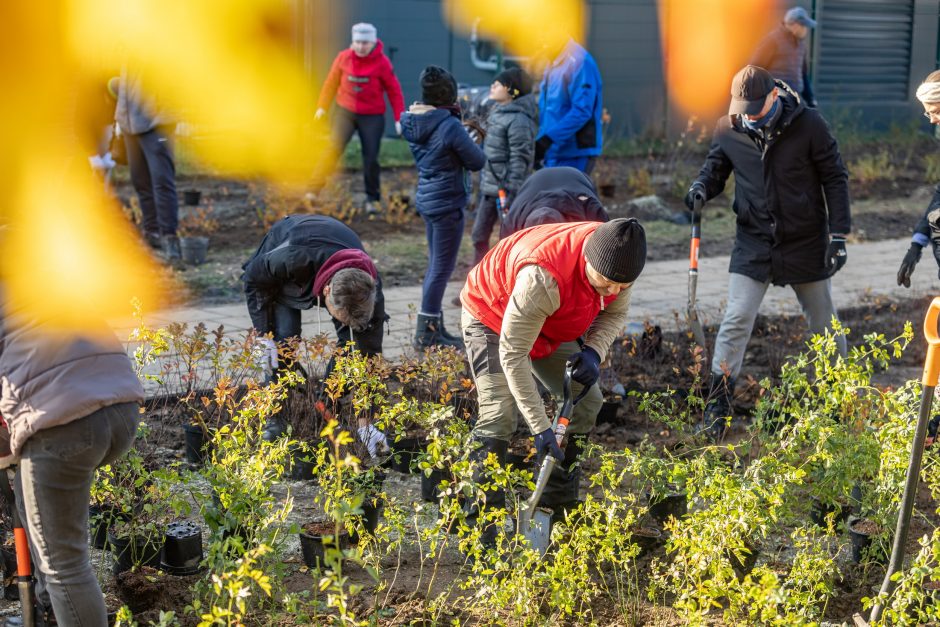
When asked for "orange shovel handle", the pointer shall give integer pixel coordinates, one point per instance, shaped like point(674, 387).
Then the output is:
point(932, 363)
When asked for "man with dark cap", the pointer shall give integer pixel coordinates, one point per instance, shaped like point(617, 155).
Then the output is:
point(792, 203)
point(511, 126)
point(526, 307)
point(785, 55)
point(444, 153)
point(553, 196)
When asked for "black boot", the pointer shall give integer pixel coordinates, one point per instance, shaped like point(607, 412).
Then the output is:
point(170, 245)
point(564, 484)
point(717, 408)
point(448, 336)
point(429, 333)
point(495, 498)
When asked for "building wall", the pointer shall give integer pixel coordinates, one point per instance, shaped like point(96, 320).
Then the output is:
point(624, 37)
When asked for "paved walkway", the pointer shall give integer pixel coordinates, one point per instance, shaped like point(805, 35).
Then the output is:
point(659, 295)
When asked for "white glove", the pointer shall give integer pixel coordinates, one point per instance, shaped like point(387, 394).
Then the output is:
point(267, 354)
point(319, 114)
point(374, 440)
point(398, 127)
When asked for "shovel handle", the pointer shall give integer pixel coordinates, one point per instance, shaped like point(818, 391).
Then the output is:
point(932, 333)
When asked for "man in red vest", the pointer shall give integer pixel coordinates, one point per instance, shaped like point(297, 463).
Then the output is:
point(525, 305)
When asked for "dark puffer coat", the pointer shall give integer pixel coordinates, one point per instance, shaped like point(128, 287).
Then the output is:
point(568, 191)
point(783, 187)
point(510, 145)
point(444, 152)
point(286, 264)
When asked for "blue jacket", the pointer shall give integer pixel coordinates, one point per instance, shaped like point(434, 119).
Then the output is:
point(570, 104)
point(444, 152)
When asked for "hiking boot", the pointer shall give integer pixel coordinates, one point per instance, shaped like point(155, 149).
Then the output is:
point(170, 249)
point(495, 498)
point(274, 428)
point(372, 208)
point(717, 413)
point(153, 240)
point(429, 333)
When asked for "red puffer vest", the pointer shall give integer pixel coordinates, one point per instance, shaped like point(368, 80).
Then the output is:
point(554, 247)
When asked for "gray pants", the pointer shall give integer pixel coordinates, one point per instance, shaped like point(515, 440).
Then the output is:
point(497, 408)
point(153, 174)
point(744, 299)
point(53, 487)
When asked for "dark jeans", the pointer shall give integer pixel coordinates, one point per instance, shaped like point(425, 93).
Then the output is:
point(370, 129)
point(53, 486)
point(153, 174)
point(444, 233)
point(487, 216)
point(286, 323)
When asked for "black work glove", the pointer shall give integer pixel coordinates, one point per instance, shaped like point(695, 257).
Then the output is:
point(911, 257)
point(541, 147)
point(835, 255)
point(586, 366)
point(696, 192)
point(546, 444)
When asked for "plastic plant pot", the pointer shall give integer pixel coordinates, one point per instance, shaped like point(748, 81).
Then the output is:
point(196, 443)
point(133, 551)
point(194, 250)
point(301, 466)
point(430, 486)
point(820, 512)
point(316, 539)
point(674, 504)
point(608, 412)
point(647, 538)
point(191, 197)
point(100, 519)
point(182, 548)
point(372, 509)
point(405, 454)
point(748, 559)
point(861, 531)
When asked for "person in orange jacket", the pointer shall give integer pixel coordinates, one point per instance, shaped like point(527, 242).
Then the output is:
point(359, 80)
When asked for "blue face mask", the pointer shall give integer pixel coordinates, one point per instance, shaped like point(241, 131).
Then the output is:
point(762, 121)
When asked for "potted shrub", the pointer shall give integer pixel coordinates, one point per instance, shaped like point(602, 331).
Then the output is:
point(195, 227)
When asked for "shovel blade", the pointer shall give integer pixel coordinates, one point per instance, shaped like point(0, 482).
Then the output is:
point(538, 531)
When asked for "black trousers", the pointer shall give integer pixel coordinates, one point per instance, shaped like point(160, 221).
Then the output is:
point(153, 175)
point(370, 129)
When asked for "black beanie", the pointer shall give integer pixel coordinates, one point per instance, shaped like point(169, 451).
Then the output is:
point(438, 87)
point(515, 80)
point(617, 250)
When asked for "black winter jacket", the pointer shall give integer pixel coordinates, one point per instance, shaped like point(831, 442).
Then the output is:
point(444, 152)
point(510, 145)
point(568, 191)
point(783, 187)
point(286, 264)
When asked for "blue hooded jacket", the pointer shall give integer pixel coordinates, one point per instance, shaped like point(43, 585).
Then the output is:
point(570, 103)
point(444, 152)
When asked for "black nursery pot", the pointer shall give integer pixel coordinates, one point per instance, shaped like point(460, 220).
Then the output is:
point(742, 567)
point(133, 551)
point(301, 466)
point(608, 412)
point(100, 519)
point(196, 444)
point(430, 486)
point(313, 549)
point(861, 543)
point(405, 454)
point(675, 504)
point(372, 509)
point(182, 548)
point(191, 197)
point(820, 512)
point(647, 538)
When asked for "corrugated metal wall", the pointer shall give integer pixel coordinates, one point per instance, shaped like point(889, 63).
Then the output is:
point(864, 50)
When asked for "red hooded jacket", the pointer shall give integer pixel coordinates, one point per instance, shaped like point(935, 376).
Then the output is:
point(360, 83)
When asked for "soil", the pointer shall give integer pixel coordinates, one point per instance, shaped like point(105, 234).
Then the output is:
point(865, 527)
point(319, 529)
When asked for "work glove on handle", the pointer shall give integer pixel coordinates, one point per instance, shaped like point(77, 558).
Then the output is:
point(696, 192)
point(911, 257)
point(546, 444)
point(375, 441)
point(267, 354)
point(835, 254)
point(585, 367)
point(398, 128)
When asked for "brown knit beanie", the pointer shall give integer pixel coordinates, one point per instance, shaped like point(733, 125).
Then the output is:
point(617, 250)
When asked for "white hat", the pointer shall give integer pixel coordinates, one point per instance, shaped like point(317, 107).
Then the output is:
point(364, 31)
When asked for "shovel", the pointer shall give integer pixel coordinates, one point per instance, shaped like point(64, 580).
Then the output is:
point(535, 523)
point(24, 570)
point(691, 311)
point(929, 382)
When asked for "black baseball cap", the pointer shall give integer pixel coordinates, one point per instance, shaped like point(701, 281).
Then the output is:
point(749, 90)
